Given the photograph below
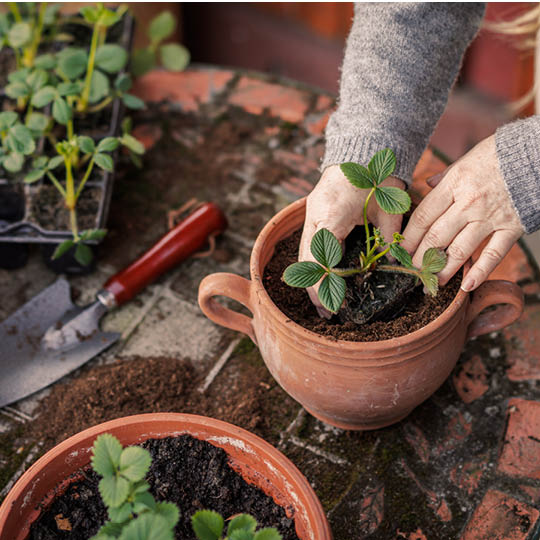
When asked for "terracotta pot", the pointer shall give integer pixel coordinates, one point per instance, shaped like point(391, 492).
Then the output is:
point(353, 385)
point(258, 462)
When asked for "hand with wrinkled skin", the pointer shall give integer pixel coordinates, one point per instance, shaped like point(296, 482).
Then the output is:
point(335, 204)
point(468, 204)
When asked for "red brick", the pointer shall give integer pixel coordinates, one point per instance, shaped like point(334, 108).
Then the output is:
point(471, 381)
point(522, 341)
point(324, 103)
point(468, 476)
point(520, 454)
point(415, 535)
point(147, 134)
point(296, 162)
point(500, 517)
point(416, 438)
point(255, 96)
point(298, 186)
point(457, 431)
point(533, 492)
point(316, 124)
point(188, 88)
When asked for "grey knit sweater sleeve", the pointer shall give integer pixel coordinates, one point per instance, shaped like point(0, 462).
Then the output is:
point(518, 151)
point(399, 65)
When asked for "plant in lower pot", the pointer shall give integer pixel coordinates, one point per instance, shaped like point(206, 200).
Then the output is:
point(354, 384)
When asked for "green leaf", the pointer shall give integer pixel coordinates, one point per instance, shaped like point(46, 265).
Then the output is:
point(268, 533)
point(51, 14)
point(83, 254)
point(99, 87)
point(357, 175)
point(72, 62)
point(18, 76)
point(326, 249)
point(19, 139)
point(332, 292)
point(40, 162)
point(44, 96)
point(108, 531)
point(108, 17)
point(382, 165)
point(142, 486)
point(106, 453)
point(86, 144)
point(174, 56)
point(7, 119)
point(13, 162)
point(147, 526)
point(45, 61)
point(392, 200)
point(143, 502)
point(240, 535)
point(113, 489)
point(61, 111)
point(90, 14)
point(72, 88)
point(161, 27)
point(303, 274)
point(54, 162)
point(111, 58)
point(242, 522)
point(37, 80)
point(104, 161)
point(434, 260)
point(37, 122)
point(132, 143)
point(108, 144)
point(62, 248)
point(17, 90)
point(134, 463)
point(20, 34)
point(34, 176)
point(430, 282)
point(123, 82)
point(207, 525)
point(121, 513)
point(132, 102)
point(169, 512)
point(142, 61)
point(401, 254)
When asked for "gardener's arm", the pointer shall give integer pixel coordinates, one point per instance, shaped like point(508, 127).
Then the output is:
point(400, 63)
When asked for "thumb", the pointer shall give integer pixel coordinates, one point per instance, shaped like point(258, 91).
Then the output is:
point(435, 179)
point(389, 224)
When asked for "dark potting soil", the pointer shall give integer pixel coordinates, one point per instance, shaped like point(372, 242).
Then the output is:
point(415, 310)
point(191, 473)
point(50, 212)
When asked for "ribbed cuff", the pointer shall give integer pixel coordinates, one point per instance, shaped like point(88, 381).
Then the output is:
point(518, 152)
point(361, 149)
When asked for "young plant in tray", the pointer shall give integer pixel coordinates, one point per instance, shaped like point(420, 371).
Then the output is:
point(133, 512)
point(327, 250)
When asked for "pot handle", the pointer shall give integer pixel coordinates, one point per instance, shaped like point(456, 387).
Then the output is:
point(491, 293)
point(231, 286)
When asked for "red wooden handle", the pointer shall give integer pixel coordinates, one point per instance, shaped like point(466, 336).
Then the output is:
point(186, 238)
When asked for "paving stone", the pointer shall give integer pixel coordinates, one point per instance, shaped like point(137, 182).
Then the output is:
point(188, 88)
point(522, 341)
point(177, 329)
point(255, 96)
point(520, 455)
point(471, 380)
point(467, 476)
point(501, 517)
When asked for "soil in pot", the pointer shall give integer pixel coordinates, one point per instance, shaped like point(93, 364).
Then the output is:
point(186, 471)
point(50, 212)
point(411, 311)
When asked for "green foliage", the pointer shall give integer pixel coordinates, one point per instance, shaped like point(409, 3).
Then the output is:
point(327, 251)
point(172, 56)
point(209, 525)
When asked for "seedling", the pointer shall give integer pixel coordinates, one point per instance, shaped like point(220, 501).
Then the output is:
point(133, 512)
point(327, 250)
point(172, 56)
point(17, 141)
point(209, 525)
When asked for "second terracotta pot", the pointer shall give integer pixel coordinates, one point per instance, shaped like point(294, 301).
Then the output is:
point(353, 385)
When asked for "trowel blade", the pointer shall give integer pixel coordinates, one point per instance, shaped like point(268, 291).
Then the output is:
point(46, 339)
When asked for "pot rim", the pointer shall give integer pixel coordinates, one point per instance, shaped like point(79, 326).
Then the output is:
point(302, 497)
point(444, 319)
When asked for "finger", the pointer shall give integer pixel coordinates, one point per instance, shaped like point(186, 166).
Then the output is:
point(441, 233)
point(498, 246)
point(431, 208)
point(389, 224)
point(435, 179)
point(461, 249)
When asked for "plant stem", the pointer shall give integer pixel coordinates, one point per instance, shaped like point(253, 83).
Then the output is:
point(83, 102)
point(399, 269)
point(70, 198)
point(30, 52)
point(101, 105)
point(366, 225)
point(85, 178)
point(15, 11)
point(379, 255)
point(346, 272)
point(56, 183)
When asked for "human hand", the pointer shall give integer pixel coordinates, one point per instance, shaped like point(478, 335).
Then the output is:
point(335, 204)
point(468, 204)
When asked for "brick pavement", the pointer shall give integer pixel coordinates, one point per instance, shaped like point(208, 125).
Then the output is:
point(464, 465)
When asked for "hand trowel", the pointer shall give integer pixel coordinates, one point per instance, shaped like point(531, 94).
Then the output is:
point(50, 336)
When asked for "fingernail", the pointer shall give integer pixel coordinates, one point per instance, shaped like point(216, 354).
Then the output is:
point(468, 284)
